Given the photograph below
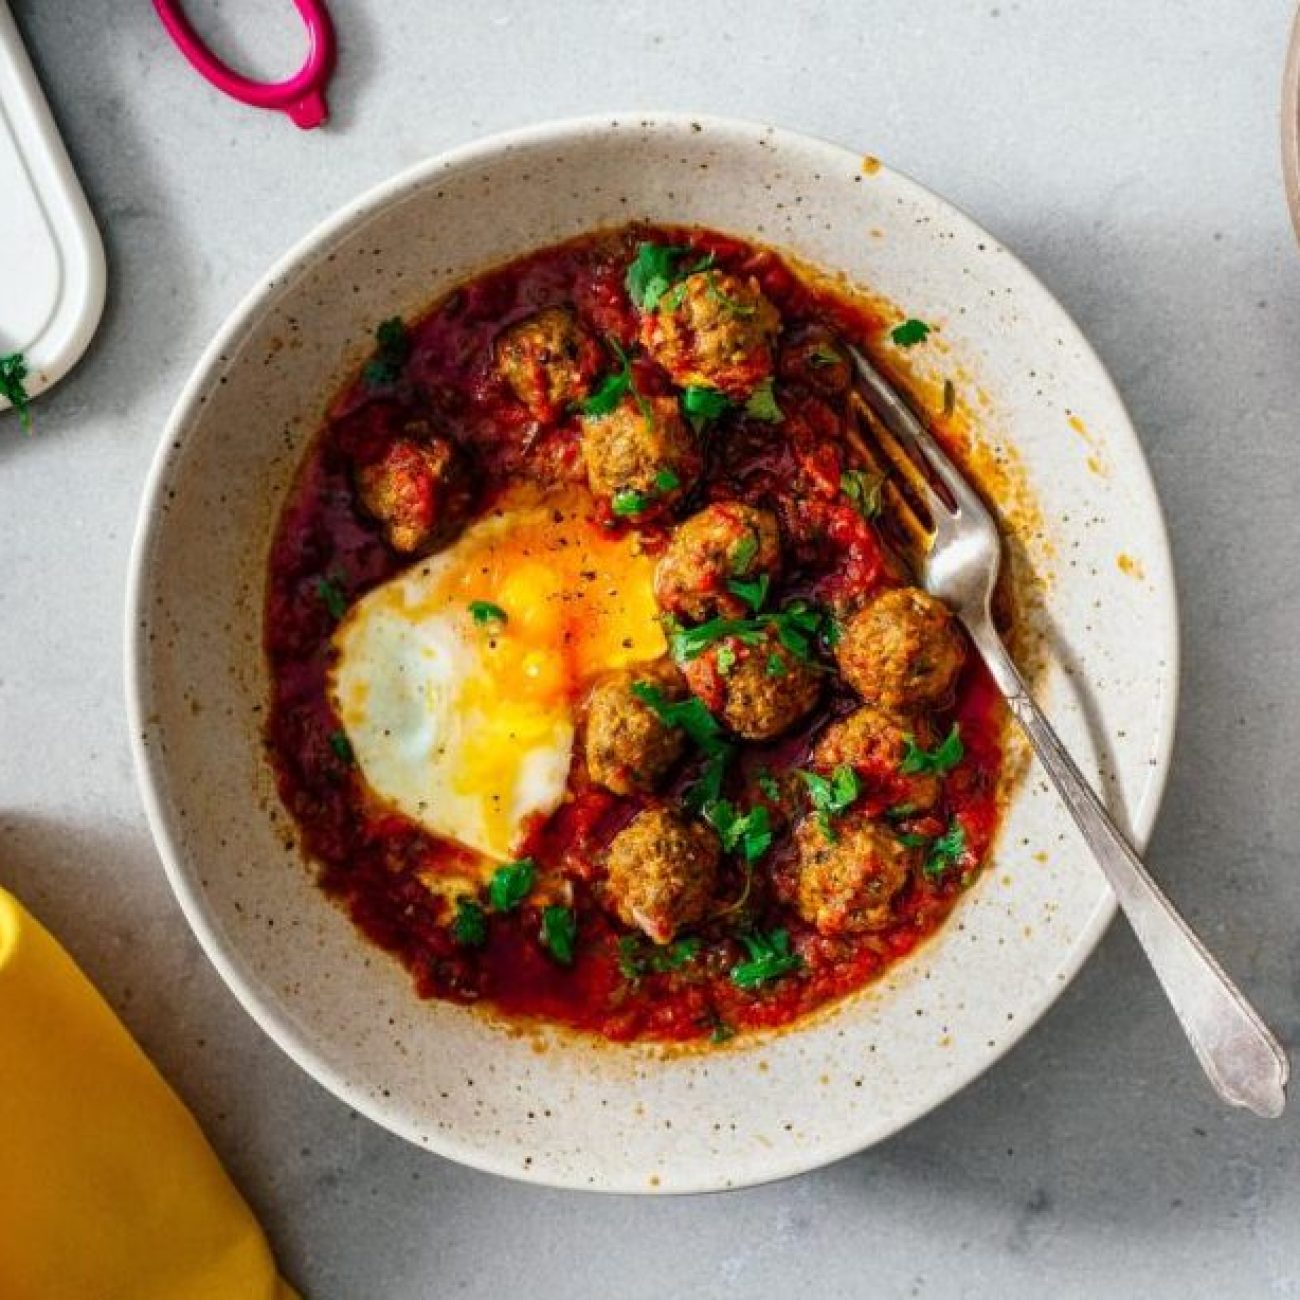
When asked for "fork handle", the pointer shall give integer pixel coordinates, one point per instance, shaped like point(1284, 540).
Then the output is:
point(1242, 1059)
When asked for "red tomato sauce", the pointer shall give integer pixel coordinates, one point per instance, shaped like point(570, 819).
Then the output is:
point(327, 554)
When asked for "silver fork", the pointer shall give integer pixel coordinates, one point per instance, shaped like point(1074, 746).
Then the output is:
point(1243, 1060)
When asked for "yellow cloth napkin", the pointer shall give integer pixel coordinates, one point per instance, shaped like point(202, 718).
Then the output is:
point(108, 1188)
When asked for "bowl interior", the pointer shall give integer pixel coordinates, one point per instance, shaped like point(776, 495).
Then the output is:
point(551, 1107)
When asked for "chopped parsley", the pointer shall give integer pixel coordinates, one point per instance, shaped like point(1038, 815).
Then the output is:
point(612, 389)
point(946, 851)
point(863, 490)
point(484, 613)
point(636, 957)
point(13, 373)
point(721, 1033)
point(655, 269)
point(469, 926)
point(342, 747)
point(725, 659)
point(762, 404)
point(705, 792)
point(767, 783)
point(943, 758)
point(652, 273)
point(511, 884)
point(744, 553)
point(910, 332)
point(690, 715)
point(332, 597)
point(776, 666)
point(392, 347)
point(796, 625)
point(559, 932)
point(832, 795)
point(769, 958)
point(703, 405)
point(749, 834)
point(825, 355)
point(628, 501)
point(666, 481)
point(753, 591)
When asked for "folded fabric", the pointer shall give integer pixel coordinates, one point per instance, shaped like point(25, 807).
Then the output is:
point(108, 1188)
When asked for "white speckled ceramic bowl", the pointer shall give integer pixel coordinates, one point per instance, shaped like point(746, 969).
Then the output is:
point(552, 1107)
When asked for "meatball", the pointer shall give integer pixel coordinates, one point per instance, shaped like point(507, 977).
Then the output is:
point(815, 358)
point(628, 746)
point(759, 689)
point(549, 361)
point(713, 330)
point(846, 881)
point(723, 542)
point(641, 459)
point(420, 489)
point(661, 872)
point(873, 742)
point(901, 650)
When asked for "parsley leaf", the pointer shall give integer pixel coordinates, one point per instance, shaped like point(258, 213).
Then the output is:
point(392, 348)
point(636, 957)
point(753, 591)
point(628, 501)
point(725, 659)
point(748, 833)
point(701, 405)
point(332, 597)
point(910, 332)
point(666, 480)
point(833, 795)
point(863, 490)
point(342, 747)
point(796, 626)
point(611, 390)
point(469, 926)
point(943, 758)
point(744, 553)
point(721, 1033)
point(484, 612)
point(946, 851)
point(776, 666)
point(769, 958)
point(767, 783)
point(652, 273)
point(690, 715)
point(762, 404)
point(559, 932)
point(13, 371)
point(511, 884)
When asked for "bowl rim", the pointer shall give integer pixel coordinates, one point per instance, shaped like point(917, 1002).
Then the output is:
point(185, 880)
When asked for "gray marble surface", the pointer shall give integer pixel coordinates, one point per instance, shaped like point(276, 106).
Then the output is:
point(1129, 154)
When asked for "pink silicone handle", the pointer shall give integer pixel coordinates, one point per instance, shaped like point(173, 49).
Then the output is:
point(302, 96)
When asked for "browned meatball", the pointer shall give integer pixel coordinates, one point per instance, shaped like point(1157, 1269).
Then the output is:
point(661, 872)
point(873, 742)
point(713, 330)
point(846, 884)
point(814, 357)
point(549, 361)
point(628, 746)
point(641, 460)
point(901, 650)
point(420, 490)
point(724, 542)
point(759, 690)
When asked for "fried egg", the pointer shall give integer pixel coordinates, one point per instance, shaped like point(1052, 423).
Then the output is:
point(457, 681)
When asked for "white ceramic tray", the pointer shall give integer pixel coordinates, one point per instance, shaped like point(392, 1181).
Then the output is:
point(51, 257)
